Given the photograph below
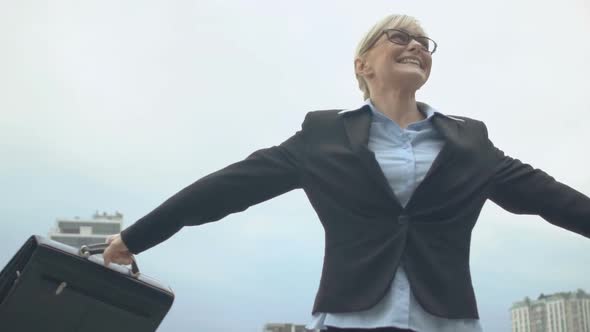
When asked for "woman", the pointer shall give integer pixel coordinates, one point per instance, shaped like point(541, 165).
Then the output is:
point(397, 186)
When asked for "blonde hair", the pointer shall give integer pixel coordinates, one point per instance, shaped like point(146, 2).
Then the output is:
point(389, 22)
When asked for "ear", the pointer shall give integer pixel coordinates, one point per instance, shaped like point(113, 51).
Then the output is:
point(361, 67)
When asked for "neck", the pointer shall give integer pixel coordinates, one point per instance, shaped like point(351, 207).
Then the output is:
point(399, 106)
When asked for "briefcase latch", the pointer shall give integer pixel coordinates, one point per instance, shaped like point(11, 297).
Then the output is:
point(17, 277)
point(61, 287)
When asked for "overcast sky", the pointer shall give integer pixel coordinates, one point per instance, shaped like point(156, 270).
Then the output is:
point(116, 105)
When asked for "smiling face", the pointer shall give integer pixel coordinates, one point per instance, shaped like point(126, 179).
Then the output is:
point(390, 65)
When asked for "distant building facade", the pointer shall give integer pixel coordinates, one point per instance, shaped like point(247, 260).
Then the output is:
point(77, 232)
point(559, 312)
point(285, 327)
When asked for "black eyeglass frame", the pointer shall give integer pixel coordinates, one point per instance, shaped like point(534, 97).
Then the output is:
point(414, 37)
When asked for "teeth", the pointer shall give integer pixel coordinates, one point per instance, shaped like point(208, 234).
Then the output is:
point(414, 61)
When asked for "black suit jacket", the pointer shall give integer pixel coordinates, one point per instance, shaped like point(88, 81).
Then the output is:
point(368, 234)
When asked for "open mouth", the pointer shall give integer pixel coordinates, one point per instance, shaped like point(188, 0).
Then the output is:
point(411, 61)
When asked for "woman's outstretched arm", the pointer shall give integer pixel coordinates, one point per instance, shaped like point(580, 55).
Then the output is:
point(264, 174)
point(519, 188)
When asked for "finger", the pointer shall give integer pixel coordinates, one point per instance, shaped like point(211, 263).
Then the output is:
point(124, 259)
point(110, 239)
point(106, 256)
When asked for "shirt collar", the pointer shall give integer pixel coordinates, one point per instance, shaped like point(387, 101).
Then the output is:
point(426, 109)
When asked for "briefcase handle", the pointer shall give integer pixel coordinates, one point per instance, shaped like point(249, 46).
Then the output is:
point(93, 249)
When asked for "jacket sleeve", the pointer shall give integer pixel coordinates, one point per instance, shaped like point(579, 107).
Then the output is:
point(264, 174)
point(519, 188)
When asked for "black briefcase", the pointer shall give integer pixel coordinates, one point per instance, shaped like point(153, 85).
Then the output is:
point(49, 286)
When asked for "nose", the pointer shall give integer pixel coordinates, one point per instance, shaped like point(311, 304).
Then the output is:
point(415, 46)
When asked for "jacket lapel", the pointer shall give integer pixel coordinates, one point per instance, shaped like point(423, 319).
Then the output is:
point(450, 130)
point(358, 123)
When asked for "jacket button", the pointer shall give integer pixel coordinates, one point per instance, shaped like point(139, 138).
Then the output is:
point(403, 219)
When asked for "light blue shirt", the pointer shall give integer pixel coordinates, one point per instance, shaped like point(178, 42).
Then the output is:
point(404, 155)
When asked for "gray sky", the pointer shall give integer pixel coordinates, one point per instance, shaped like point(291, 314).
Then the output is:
point(116, 105)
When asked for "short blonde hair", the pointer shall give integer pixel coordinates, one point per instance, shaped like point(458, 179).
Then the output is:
point(389, 22)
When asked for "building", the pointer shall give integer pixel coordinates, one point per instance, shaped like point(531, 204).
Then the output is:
point(285, 327)
point(559, 312)
point(77, 232)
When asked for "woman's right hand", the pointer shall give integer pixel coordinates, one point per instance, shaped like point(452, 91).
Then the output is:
point(117, 252)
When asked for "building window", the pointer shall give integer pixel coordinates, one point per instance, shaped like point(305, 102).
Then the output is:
point(85, 230)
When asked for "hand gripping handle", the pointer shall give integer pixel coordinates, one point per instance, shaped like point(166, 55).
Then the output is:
point(93, 249)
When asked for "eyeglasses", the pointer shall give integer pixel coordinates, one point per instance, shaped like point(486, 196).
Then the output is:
point(402, 37)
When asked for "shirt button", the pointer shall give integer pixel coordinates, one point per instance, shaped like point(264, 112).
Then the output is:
point(403, 219)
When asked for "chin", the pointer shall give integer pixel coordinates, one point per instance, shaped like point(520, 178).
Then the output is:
point(413, 82)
